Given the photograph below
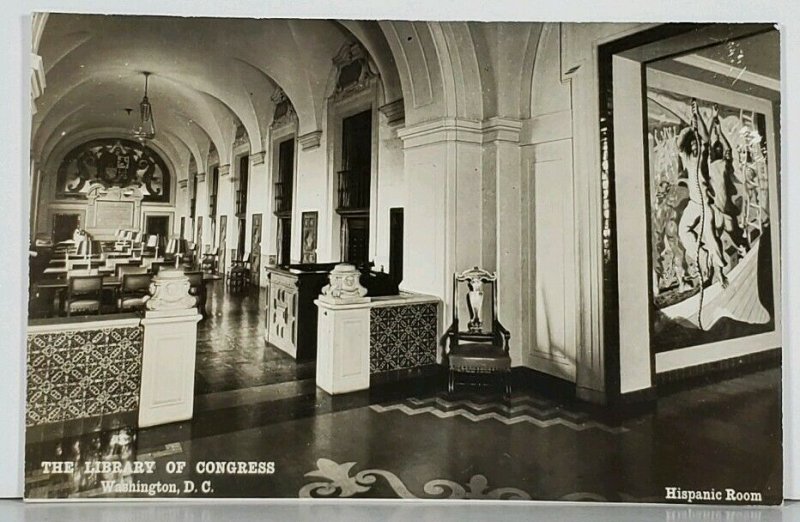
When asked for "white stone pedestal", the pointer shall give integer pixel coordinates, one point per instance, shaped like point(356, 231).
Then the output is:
point(342, 347)
point(168, 364)
point(170, 339)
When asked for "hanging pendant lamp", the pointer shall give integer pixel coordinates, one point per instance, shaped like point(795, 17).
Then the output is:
point(146, 129)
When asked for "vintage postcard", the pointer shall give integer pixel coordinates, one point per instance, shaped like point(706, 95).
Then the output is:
point(307, 258)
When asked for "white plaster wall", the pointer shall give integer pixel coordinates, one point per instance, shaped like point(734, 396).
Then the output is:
point(313, 192)
point(549, 258)
point(390, 188)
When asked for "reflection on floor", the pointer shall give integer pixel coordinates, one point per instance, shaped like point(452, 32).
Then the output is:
point(416, 441)
point(231, 352)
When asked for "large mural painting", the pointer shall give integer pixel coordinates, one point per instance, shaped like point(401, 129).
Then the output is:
point(113, 162)
point(710, 215)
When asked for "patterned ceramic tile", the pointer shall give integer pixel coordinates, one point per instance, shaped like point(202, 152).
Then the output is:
point(402, 337)
point(79, 374)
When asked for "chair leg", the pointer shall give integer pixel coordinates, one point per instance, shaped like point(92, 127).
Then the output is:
point(451, 378)
point(507, 382)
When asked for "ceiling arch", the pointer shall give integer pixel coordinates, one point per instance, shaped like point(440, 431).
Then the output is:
point(207, 72)
point(110, 94)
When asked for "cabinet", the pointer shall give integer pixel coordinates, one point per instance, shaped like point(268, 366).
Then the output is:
point(291, 317)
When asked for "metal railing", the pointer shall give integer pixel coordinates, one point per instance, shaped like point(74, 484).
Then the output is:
point(241, 201)
point(283, 196)
point(353, 190)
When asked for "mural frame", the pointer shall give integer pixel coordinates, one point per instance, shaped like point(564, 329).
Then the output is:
point(223, 243)
point(672, 359)
point(256, 231)
point(632, 230)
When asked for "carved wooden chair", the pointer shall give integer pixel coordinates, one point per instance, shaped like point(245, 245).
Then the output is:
point(481, 349)
point(84, 294)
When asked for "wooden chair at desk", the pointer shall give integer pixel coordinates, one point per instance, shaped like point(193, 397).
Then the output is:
point(157, 266)
point(121, 270)
point(238, 275)
point(84, 294)
point(197, 288)
point(134, 292)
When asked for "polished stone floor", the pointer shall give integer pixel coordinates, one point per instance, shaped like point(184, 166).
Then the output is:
point(231, 352)
point(419, 442)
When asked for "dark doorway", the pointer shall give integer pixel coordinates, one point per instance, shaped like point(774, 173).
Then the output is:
point(241, 240)
point(241, 192)
point(396, 244)
point(64, 225)
point(355, 239)
point(183, 227)
point(357, 141)
point(284, 240)
point(157, 225)
point(354, 187)
point(283, 200)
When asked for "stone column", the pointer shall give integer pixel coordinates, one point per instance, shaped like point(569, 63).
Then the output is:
point(168, 361)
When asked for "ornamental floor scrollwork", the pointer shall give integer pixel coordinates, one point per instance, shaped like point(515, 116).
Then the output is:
point(339, 481)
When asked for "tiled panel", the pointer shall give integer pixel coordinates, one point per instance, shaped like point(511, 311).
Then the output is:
point(79, 374)
point(402, 337)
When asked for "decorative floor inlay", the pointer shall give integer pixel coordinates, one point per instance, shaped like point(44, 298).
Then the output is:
point(339, 482)
point(521, 409)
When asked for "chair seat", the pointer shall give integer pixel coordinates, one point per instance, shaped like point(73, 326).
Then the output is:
point(478, 358)
point(84, 305)
point(132, 302)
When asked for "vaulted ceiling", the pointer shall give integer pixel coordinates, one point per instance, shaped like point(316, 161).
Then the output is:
point(210, 75)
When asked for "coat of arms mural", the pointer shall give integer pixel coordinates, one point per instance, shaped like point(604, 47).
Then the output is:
point(114, 163)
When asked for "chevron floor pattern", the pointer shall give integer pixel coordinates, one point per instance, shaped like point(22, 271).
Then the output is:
point(540, 413)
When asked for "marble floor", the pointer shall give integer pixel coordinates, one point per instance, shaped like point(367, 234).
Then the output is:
point(231, 352)
point(419, 442)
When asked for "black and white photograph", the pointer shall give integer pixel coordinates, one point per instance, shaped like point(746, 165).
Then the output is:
point(296, 258)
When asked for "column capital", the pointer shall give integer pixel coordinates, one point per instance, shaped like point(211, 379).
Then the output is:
point(257, 158)
point(394, 111)
point(170, 291)
point(461, 130)
point(310, 140)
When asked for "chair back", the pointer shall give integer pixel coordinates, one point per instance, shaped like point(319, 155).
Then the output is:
point(85, 284)
point(121, 270)
point(195, 279)
point(156, 267)
point(136, 283)
point(477, 285)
